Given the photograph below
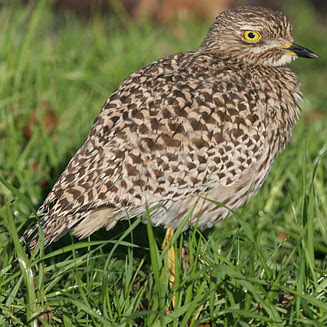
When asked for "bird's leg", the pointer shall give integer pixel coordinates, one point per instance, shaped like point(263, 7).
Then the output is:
point(171, 256)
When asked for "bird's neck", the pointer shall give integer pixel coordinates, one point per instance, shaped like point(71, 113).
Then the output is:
point(283, 94)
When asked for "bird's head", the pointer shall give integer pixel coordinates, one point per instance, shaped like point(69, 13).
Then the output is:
point(254, 36)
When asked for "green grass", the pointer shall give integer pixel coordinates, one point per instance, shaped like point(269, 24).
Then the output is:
point(265, 266)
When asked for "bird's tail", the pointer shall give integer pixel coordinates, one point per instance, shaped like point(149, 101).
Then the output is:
point(53, 227)
point(49, 229)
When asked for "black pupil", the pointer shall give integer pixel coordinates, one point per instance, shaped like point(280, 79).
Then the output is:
point(251, 35)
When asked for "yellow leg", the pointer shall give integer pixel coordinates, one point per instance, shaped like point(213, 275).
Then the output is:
point(171, 256)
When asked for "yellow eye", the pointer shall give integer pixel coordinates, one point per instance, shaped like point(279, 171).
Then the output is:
point(252, 36)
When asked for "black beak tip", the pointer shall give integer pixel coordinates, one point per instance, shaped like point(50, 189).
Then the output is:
point(302, 51)
point(313, 56)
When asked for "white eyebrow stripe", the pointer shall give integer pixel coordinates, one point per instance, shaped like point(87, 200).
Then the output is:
point(251, 27)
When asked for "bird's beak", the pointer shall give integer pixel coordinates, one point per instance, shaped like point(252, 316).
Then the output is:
point(294, 49)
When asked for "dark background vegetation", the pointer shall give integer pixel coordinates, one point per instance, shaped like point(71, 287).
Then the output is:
point(167, 10)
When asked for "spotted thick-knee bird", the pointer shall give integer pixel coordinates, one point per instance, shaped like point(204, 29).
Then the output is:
point(186, 129)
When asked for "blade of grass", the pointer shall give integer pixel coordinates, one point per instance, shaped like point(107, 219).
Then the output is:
point(25, 268)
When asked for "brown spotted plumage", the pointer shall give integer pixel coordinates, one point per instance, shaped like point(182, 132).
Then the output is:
point(186, 129)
